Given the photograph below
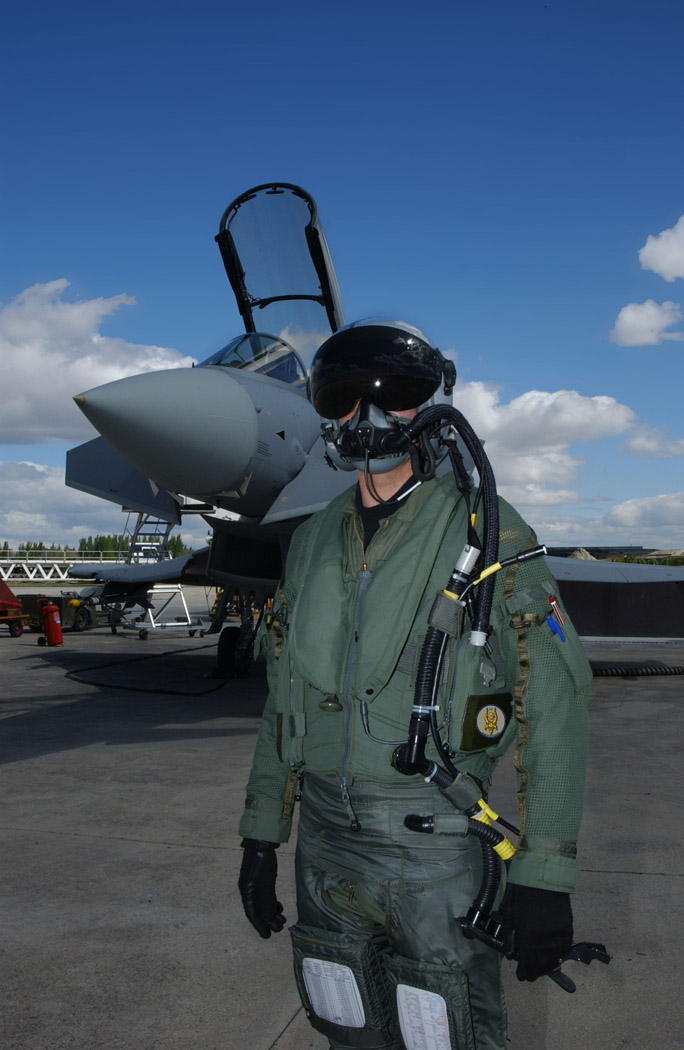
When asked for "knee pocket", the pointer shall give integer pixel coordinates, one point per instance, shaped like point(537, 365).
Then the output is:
point(432, 1004)
point(343, 987)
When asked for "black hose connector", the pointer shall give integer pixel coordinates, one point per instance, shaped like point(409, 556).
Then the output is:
point(414, 822)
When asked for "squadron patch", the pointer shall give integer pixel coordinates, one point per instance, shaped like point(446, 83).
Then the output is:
point(490, 721)
point(484, 720)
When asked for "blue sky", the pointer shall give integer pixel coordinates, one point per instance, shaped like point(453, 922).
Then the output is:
point(488, 172)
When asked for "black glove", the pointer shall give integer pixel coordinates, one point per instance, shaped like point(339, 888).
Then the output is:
point(257, 886)
point(538, 924)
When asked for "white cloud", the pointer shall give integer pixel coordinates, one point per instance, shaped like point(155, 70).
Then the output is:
point(664, 253)
point(52, 349)
point(304, 342)
point(650, 521)
point(528, 439)
point(531, 443)
point(37, 506)
point(650, 513)
point(646, 324)
point(648, 441)
point(541, 419)
point(537, 497)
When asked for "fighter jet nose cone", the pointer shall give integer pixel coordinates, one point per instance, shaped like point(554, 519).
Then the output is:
point(191, 430)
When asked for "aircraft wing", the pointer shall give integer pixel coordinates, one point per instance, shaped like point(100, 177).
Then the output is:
point(621, 600)
point(97, 468)
point(189, 568)
point(577, 569)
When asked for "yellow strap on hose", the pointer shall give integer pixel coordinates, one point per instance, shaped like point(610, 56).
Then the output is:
point(483, 576)
point(487, 815)
point(488, 571)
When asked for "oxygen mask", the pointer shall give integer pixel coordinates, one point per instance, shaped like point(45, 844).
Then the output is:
point(370, 440)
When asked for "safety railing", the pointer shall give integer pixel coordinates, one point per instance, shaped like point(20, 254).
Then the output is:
point(36, 566)
point(61, 555)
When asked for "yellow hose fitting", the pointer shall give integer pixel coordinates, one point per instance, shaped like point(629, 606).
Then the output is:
point(505, 849)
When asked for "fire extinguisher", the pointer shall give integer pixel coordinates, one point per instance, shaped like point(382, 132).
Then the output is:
point(52, 626)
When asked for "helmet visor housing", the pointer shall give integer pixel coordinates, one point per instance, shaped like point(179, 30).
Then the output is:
point(390, 364)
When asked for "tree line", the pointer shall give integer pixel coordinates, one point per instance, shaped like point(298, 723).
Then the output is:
point(110, 543)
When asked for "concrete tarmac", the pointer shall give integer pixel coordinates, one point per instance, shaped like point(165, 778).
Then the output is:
point(123, 764)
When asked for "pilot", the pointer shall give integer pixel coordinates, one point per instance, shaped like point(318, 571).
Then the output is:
point(380, 959)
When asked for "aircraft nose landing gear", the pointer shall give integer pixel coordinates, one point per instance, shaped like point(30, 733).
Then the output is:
point(234, 650)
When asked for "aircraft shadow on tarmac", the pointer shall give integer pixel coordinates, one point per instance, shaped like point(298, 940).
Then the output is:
point(84, 698)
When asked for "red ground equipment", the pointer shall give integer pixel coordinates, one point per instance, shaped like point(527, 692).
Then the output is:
point(12, 611)
point(52, 626)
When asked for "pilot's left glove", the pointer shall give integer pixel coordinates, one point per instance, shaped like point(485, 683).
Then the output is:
point(539, 927)
point(257, 885)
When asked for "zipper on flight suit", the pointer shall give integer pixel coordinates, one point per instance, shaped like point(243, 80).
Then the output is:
point(290, 704)
point(364, 577)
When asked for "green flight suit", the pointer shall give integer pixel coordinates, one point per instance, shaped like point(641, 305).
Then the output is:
point(342, 648)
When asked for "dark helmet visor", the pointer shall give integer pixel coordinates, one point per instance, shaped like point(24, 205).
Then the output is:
point(391, 367)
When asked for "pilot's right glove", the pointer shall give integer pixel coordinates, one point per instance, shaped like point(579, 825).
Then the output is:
point(257, 886)
point(539, 927)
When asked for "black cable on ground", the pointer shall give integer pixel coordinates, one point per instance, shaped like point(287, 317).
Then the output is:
point(74, 675)
point(632, 670)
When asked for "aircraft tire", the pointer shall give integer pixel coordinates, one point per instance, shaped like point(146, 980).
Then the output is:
point(229, 661)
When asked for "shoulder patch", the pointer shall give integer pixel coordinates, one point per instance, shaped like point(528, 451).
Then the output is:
point(486, 717)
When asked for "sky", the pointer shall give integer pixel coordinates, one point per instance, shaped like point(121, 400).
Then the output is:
point(507, 176)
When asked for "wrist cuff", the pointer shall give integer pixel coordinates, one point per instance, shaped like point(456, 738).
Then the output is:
point(545, 871)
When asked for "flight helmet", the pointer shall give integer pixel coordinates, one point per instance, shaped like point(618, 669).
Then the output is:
point(374, 368)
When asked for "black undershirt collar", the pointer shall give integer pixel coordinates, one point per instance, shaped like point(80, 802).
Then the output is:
point(370, 517)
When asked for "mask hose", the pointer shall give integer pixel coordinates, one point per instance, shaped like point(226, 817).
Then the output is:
point(446, 415)
point(410, 757)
